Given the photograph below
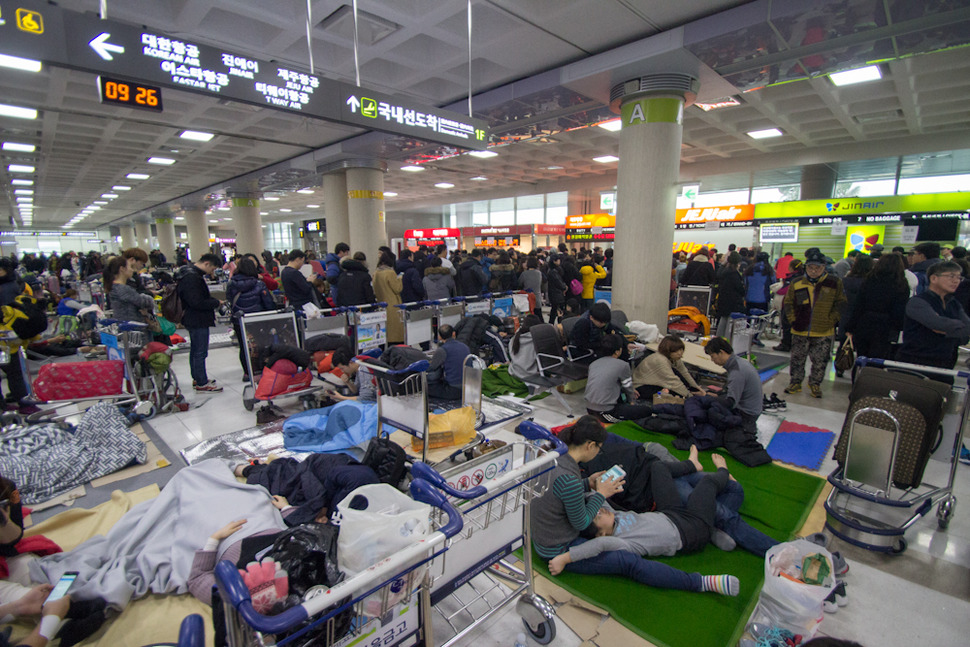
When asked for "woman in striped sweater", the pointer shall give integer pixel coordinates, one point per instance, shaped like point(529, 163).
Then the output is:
point(570, 505)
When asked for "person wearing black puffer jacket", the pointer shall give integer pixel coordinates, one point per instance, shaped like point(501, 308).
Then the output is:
point(413, 288)
point(246, 294)
point(354, 284)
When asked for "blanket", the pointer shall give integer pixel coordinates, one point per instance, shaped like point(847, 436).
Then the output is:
point(498, 381)
point(151, 548)
point(46, 461)
point(339, 428)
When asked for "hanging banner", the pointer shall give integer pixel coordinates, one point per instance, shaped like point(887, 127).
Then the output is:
point(739, 215)
point(589, 227)
point(863, 237)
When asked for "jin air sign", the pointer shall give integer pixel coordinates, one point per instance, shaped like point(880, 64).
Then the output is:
point(848, 207)
point(590, 227)
point(739, 215)
point(84, 42)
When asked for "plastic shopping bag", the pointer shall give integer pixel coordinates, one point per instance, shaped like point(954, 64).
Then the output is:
point(786, 602)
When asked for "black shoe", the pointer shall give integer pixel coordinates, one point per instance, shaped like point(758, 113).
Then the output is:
point(766, 404)
point(783, 348)
point(246, 378)
point(777, 403)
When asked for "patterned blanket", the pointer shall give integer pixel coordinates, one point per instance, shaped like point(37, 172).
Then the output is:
point(45, 461)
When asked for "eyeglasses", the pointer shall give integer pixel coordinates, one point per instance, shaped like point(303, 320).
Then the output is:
point(949, 275)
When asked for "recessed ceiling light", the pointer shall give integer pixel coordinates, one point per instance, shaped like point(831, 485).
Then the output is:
point(554, 168)
point(264, 213)
point(19, 148)
point(20, 168)
point(109, 196)
point(412, 168)
point(180, 218)
point(271, 198)
point(17, 111)
point(213, 222)
point(483, 154)
point(316, 206)
point(727, 102)
point(119, 187)
point(24, 198)
point(196, 135)
point(100, 202)
point(17, 63)
point(223, 208)
point(387, 194)
point(860, 75)
point(22, 182)
point(94, 207)
point(445, 185)
point(765, 134)
point(286, 210)
point(606, 159)
point(612, 125)
point(137, 176)
point(163, 161)
point(478, 178)
point(306, 191)
point(23, 192)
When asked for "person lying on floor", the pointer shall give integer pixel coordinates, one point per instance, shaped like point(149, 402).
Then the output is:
point(673, 529)
point(564, 510)
point(637, 496)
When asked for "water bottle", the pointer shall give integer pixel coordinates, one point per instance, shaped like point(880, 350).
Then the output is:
point(520, 640)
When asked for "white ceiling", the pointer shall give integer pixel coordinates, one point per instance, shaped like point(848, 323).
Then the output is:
point(85, 148)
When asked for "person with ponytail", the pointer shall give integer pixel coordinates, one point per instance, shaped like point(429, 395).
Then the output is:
point(571, 503)
point(523, 362)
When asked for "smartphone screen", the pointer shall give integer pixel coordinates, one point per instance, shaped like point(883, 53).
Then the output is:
point(63, 585)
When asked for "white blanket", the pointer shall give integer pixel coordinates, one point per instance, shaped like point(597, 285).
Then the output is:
point(151, 548)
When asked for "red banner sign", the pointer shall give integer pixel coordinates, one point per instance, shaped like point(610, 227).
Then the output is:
point(440, 232)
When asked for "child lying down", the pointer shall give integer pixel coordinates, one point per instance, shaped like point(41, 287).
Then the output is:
point(674, 528)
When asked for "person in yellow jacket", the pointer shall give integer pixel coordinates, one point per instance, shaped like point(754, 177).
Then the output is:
point(591, 272)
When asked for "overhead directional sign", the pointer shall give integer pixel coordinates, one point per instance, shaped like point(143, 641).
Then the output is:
point(84, 42)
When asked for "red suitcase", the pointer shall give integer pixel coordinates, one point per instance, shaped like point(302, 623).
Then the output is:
point(75, 380)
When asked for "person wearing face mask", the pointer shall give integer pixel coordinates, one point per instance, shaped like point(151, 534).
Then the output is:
point(812, 307)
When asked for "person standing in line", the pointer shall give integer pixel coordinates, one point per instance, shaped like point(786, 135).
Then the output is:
point(388, 287)
point(812, 306)
point(413, 289)
point(332, 262)
point(531, 280)
point(936, 325)
point(841, 269)
point(438, 281)
point(246, 294)
point(555, 288)
point(297, 289)
point(198, 316)
point(730, 292)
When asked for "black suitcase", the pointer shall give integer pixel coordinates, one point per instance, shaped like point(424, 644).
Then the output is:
point(927, 396)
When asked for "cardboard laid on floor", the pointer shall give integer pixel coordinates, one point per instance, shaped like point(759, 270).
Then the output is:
point(694, 356)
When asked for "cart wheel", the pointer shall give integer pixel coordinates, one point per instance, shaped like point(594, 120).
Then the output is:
point(544, 633)
point(945, 511)
point(249, 404)
point(899, 547)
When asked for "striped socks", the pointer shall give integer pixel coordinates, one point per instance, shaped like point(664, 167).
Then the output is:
point(723, 584)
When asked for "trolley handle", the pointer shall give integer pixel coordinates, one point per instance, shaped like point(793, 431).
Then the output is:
point(920, 368)
point(124, 325)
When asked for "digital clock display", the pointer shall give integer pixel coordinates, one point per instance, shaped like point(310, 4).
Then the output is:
point(132, 95)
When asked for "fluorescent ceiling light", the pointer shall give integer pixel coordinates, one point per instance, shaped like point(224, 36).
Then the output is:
point(163, 161)
point(23, 192)
point(316, 206)
point(22, 182)
point(483, 154)
point(213, 222)
point(285, 210)
point(20, 168)
point(306, 191)
point(606, 159)
point(716, 105)
point(137, 176)
point(223, 208)
point(554, 168)
point(100, 202)
point(387, 194)
point(264, 213)
point(412, 168)
point(478, 178)
point(17, 111)
point(180, 218)
point(271, 198)
point(445, 185)
point(119, 187)
point(17, 63)
point(24, 198)
point(109, 196)
point(196, 135)
point(93, 207)
point(860, 75)
point(19, 148)
point(613, 125)
point(765, 134)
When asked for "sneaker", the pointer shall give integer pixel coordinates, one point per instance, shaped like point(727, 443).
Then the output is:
point(837, 598)
point(839, 565)
point(793, 388)
point(816, 390)
point(777, 402)
point(246, 378)
point(209, 387)
point(766, 404)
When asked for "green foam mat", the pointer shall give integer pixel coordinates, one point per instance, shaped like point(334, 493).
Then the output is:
point(777, 502)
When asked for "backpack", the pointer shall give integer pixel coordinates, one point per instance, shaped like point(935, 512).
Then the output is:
point(576, 287)
point(921, 283)
point(171, 306)
point(25, 316)
point(387, 459)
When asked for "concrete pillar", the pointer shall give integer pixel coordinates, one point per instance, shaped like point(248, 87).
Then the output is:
point(198, 226)
point(165, 230)
point(248, 223)
point(336, 209)
point(365, 206)
point(127, 233)
point(652, 117)
point(143, 235)
point(818, 181)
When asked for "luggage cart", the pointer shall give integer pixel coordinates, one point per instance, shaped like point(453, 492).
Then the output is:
point(369, 325)
point(395, 622)
point(865, 507)
point(418, 322)
point(262, 329)
point(478, 305)
point(493, 494)
point(449, 311)
point(332, 321)
point(696, 296)
point(742, 329)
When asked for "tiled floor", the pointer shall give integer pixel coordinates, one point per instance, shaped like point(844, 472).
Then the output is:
point(921, 597)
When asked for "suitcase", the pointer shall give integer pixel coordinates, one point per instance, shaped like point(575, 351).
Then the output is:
point(927, 396)
point(75, 380)
point(272, 384)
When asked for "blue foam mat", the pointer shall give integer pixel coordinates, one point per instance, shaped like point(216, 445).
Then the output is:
point(803, 448)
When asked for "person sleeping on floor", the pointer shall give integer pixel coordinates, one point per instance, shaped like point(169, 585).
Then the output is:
point(571, 503)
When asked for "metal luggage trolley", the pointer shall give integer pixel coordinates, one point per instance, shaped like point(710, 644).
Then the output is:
point(418, 320)
point(332, 321)
point(697, 296)
point(449, 311)
point(493, 494)
point(865, 508)
point(742, 329)
point(394, 622)
point(369, 325)
point(262, 329)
